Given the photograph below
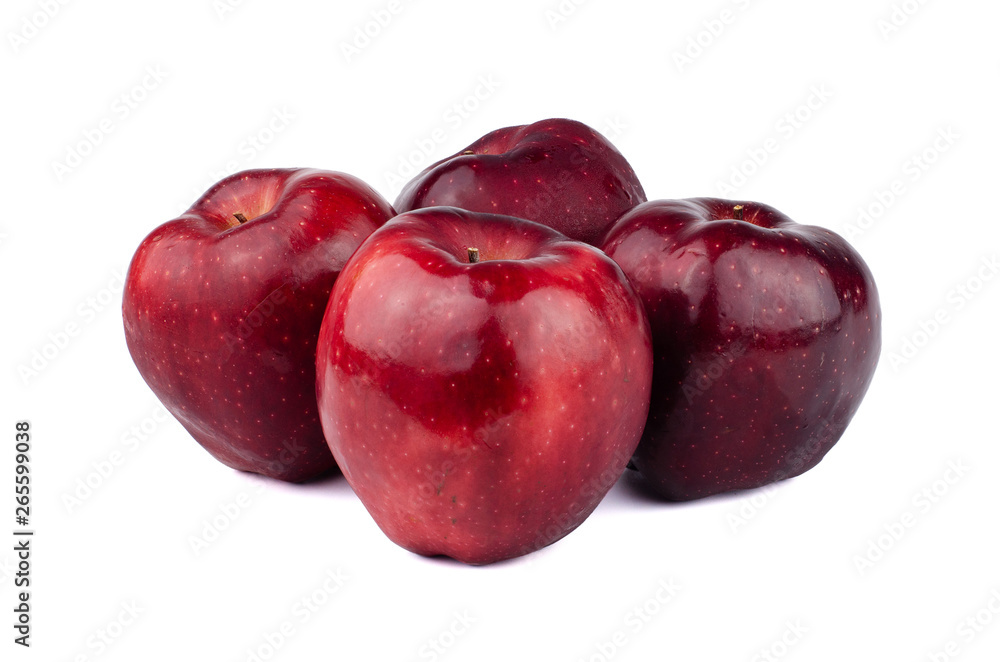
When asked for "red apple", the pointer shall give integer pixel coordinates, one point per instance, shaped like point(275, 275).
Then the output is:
point(557, 172)
point(222, 308)
point(481, 409)
point(765, 333)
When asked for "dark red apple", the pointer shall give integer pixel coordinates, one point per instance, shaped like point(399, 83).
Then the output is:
point(482, 381)
point(222, 309)
point(766, 334)
point(557, 172)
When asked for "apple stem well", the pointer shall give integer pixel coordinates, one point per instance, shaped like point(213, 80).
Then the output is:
point(738, 212)
point(473, 255)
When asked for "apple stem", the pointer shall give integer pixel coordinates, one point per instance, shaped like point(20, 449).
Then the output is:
point(240, 217)
point(473, 255)
point(467, 152)
point(738, 212)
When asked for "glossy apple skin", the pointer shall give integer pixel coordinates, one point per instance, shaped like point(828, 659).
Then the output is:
point(766, 334)
point(221, 318)
point(557, 172)
point(481, 411)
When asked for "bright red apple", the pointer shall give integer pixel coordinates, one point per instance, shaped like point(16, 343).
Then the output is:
point(766, 334)
point(222, 309)
point(482, 381)
point(557, 172)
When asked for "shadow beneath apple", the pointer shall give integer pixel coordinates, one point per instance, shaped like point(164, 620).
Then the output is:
point(636, 489)
point(633, 488)
point(522, 560)
point(331, 484)
point(447, 561)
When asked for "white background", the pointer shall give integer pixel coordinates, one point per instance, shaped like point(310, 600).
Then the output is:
point(778, 571)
